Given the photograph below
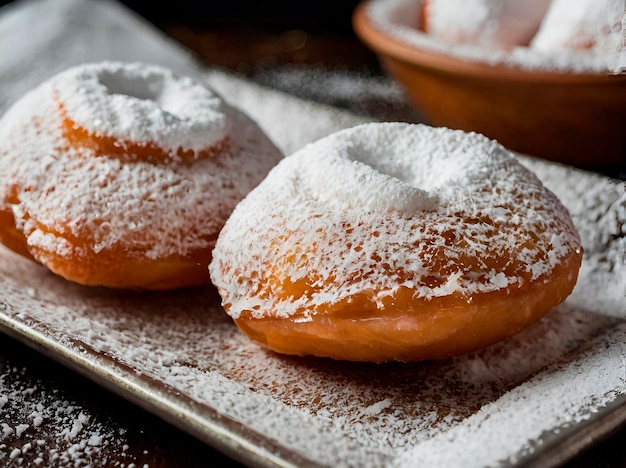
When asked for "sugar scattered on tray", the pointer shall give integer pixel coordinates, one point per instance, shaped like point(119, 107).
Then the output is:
point(32, 415)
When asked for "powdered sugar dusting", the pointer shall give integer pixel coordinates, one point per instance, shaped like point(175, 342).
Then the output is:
point(445, 449)
point(350, 170)
point(32, 415)
point(390, 197)
point(338, 414)
point(582, 24)
point(143, 103)
point(500, 24)
point(399, 19)
point(158, 209)
point(598, 208)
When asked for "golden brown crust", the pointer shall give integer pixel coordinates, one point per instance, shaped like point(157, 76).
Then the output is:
point(392, 241)
point(409, 328)
point(121, 269)
point(77, 136)
point(122, 175)
point(11, 237)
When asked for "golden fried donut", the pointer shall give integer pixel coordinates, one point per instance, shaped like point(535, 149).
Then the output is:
point(122, 174)
point(498, 24)
point(392, 241)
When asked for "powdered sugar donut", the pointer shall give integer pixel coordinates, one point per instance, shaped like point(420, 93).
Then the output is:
point(392, 241)
point(500, 24)
point(582, 24)
point(122, 174)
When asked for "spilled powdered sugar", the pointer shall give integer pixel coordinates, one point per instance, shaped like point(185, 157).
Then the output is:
point(375, 208)
point(399, 19)
point(31, 417)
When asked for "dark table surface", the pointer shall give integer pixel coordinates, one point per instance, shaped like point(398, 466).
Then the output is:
point(51, 416)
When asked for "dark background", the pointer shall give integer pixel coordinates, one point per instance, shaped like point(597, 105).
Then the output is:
point(330, 15)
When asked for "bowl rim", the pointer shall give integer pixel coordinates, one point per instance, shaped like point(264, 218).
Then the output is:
point(384, 44)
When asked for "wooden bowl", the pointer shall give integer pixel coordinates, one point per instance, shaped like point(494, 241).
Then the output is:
point(573, 118)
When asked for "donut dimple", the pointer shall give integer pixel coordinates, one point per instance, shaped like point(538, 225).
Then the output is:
point(140, 104)
point(357, 174)
point(122, 174)
point(333, 246)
